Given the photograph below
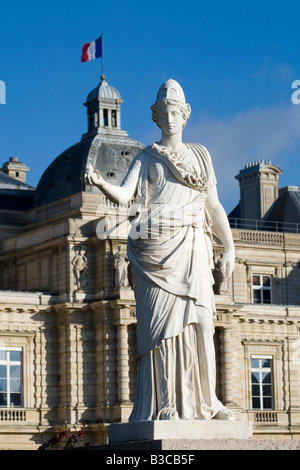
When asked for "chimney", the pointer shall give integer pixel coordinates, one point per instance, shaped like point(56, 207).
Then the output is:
point(258, 188)
point(15, 169)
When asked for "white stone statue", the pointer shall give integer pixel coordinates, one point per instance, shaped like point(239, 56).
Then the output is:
point(121, 268)
point(170, 251)
point(80, 269)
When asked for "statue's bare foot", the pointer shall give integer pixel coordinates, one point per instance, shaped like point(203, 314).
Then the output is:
point(168, 415)
point(225, 413)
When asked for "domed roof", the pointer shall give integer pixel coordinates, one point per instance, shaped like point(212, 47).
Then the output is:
point(112, 157)
point(62, 177)
point(103, 90)
point(105, 146)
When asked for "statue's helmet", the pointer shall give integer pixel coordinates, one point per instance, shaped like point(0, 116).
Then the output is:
point(171, 90)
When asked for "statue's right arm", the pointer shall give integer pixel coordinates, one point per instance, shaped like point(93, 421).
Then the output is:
point(117, 194)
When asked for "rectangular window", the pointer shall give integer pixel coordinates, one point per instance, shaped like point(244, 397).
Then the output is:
point(96, 119)
point(262, 289)
point(114, 118)
point(262, 382)
point(10, 377)
point(105, 117)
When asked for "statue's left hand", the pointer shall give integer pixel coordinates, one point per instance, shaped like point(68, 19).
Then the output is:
point(227, 263)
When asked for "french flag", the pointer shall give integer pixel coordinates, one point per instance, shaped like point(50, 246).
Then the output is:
point(92, 50)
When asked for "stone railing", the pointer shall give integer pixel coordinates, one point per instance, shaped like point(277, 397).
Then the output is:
point(264, 225)
point(53, 209)
point(261, 418)
point(266, 417)
point(12, 415)
point(264, 238)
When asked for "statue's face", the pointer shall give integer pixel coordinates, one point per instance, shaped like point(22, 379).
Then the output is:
point(170, 119)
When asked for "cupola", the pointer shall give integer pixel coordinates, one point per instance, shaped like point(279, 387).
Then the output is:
point(104, 110)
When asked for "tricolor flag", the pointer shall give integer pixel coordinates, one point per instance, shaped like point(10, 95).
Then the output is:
point(92, 50)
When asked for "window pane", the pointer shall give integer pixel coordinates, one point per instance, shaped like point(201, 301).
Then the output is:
point(256, 403)
point(15, 385)
point(255, 390)
point(3, 385)
point(266, 377)
point(256, 296)
point(2, 355)
point(266, 296)
point(267, 403)
point(3, 399)
point(267, 390)
point(15, 399)
point(266, 280)
point(15, 372)
point(15, 356)
point(255, 377)
point(266, 362)
point(3, 371)
point(254, 363)
point(256, 280)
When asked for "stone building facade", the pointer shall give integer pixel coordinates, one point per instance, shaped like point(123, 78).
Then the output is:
point(67, 317)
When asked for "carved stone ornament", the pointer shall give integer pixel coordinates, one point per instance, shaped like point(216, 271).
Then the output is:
point(121, 263)
point(80, 270)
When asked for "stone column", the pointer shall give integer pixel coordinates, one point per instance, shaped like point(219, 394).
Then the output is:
point(64, 391)
point(37, 369)
point(227, 365)
point(41, 384)
point(122, 320)
point(107, 362)
point(123, 364)
point(100, 366)
point(67, 383)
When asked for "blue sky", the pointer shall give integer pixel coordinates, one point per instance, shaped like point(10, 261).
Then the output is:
point(236, 62)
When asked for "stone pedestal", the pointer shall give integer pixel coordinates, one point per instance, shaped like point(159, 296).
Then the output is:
point(181, 430)
point(123, 293)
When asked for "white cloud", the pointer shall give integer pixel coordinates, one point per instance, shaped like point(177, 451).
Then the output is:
point(282, 72)
point(268, 133)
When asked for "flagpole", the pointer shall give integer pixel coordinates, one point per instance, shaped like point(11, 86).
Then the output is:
point(102, 59)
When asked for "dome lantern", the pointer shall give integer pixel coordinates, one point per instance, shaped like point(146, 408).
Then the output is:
point(104, 110)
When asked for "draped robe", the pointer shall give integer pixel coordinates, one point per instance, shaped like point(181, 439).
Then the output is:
point(170, 251)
